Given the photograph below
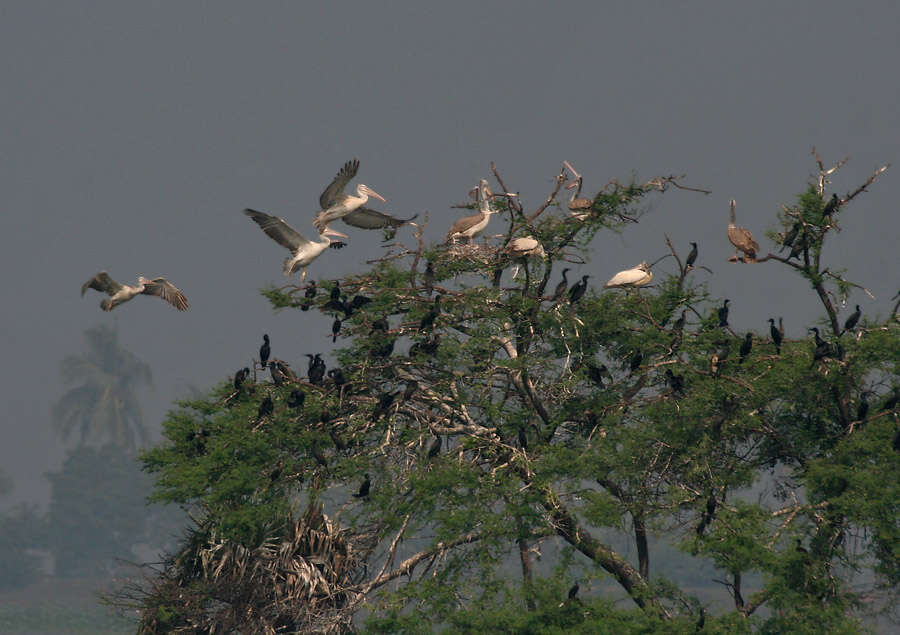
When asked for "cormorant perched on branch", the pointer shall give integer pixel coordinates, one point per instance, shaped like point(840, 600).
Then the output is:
point(425, 348)
point(385, 349)
point(596, 374)
point(336, 290)
point(746, 347)
point(776, 336)
point(637, 358)
point(692, 257)
point(723, 313)
point(573, 591)
point(578, 289)
point(364, 488)
point(381, 324)
point(264, 351)
point(675, 381)
point(523, 438)
point(852, 320)
point(266, 407)
point(309, 295)
point(428, 320)
point(833, 203)
point(385, 401)
point(891, 402)
point(428, 278)
point(316, 370)
point(337, 375)
point(281, 372)
point(679, 323)
point(240, 377)
point(335, 329)
point(862, 409)
point(434, 448)
point(799, 245)
point(708, 516)
point(823, 349)
point(561, 287)
point(358, 302)
point(790, 236)
point(297, 398)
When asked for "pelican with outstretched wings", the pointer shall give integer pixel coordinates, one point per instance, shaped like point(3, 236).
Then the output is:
point(303, 251)
point(335, 203)
point(120, 293)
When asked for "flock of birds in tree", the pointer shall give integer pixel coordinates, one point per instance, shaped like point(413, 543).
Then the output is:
point(335, 204)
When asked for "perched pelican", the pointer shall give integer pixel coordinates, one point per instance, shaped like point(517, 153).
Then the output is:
point(120, 293)
point(336, 203)
point(523, 247)
point(578, 205)
point(303, 250)
point(470, 226)
point(742, 239)
point(636, 277)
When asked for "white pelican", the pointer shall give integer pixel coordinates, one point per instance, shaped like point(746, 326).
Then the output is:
point(470, 226)
point(742, 239)
point(524, 247)
point(120, 293)
point(579, 206)
point(637, 277)
point(303, 250)
point(336, 203)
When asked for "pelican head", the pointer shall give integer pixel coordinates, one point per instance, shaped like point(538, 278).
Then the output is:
point(366, 191)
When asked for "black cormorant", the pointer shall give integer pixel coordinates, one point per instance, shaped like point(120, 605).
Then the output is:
point(309, 295)
point(578, 289)
point(776, 336)
point(297, 398)
point(675, 381)
point(723, 313)
point(852, 319)
point(428, 278)
point(434, 448)
point(692, 257)
point(336, 290)
point(428, 320)
point(266, 407)
point(746, 347)
point(364, 488)
point(561, 287)
point(335, 329)
point(264, 351)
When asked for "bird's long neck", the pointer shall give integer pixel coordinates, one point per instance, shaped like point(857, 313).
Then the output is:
point(577, 191)
point(731, 214)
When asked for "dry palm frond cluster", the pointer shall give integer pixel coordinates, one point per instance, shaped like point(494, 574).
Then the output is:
point(291, 583)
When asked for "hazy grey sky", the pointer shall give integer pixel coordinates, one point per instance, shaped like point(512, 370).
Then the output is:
point(135, 133)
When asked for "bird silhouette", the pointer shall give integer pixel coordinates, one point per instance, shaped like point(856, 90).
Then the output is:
point(310, 295)
point(364, 488)
point(746, 347)
point(723, 313)
point(776, 336)
point(692, 257)
point(264, 351)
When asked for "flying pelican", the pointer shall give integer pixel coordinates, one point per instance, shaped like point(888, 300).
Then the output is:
point(578, 205)
point(303, 250)
point(523, 247)
point(636, 277)
point(336, 203)
point(120, 293)
point(470, 226)
point(742, 239)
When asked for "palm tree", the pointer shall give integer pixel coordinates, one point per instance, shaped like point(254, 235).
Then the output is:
point(102, 406)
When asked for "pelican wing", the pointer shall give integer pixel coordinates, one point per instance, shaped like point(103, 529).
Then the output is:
point(464, 223)
point(102, 283)
point(278, 230)
point(335, 191)
point(743, 240)
point(365, 218)
point(629, 277)
point(166, 290)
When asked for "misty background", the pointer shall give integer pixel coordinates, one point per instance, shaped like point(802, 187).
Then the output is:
point(135, 133)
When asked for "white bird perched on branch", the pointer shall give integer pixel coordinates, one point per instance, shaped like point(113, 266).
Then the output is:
point(524, 247)
point(470, 226)
point(303, 250)
point(636, 277)
point(120, 293)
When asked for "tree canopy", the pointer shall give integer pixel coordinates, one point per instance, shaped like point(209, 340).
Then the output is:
point(491, 453)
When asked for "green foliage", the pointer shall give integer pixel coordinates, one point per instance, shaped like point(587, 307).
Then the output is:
point(558, 425)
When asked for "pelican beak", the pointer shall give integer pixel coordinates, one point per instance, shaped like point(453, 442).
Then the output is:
point(572, 185)
point(571, 169)
point(333, 232)
point(375, 194)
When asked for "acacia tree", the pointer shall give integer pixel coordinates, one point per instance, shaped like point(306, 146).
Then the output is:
point(505, 421)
